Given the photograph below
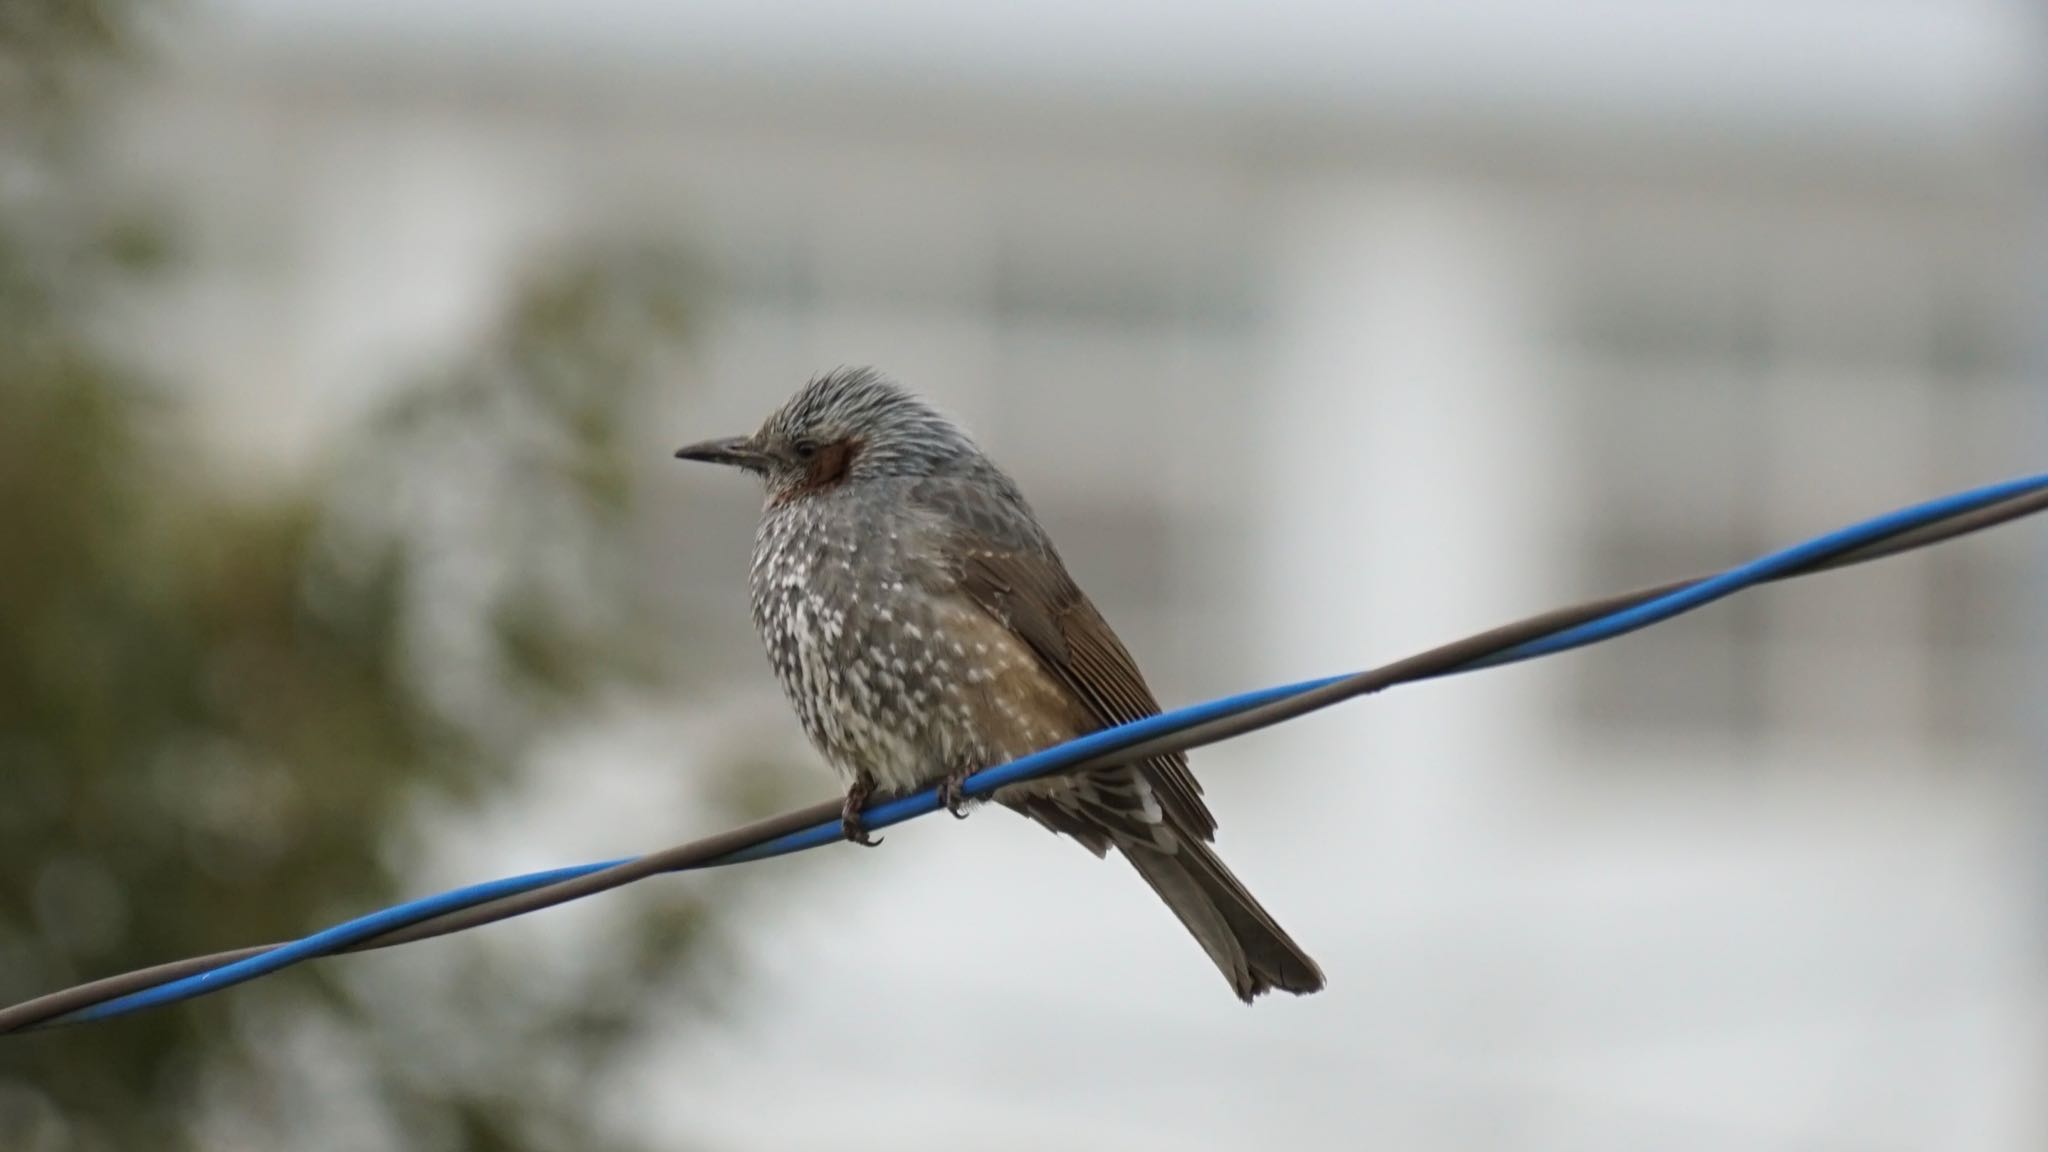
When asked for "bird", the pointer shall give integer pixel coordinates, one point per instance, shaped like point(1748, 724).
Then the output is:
point(923, 627)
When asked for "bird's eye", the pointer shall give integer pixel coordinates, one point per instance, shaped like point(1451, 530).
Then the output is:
point(805, 448)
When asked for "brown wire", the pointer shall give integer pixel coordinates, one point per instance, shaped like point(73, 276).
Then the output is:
point(1424, 665)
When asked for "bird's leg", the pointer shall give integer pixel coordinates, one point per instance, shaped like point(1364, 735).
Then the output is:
point(850, 825)
point(951, 794)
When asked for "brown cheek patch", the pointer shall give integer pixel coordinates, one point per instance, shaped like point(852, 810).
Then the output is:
point(831, 463)
point(827, 468)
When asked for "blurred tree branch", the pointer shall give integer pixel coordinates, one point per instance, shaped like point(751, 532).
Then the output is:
point(218, 715)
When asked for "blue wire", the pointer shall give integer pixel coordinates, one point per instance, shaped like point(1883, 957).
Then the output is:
point(1757, 571)
point(1052, 759)
point(1038, 763)
point(322, 943)
point(881, 815)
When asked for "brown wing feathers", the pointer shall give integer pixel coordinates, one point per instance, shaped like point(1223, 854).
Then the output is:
point(1030, 592)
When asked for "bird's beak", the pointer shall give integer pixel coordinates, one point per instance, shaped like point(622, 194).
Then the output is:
point(734, 451)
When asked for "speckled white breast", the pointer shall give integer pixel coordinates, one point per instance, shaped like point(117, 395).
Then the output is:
point(845, 614)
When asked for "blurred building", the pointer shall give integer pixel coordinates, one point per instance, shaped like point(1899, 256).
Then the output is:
point(1311, 360)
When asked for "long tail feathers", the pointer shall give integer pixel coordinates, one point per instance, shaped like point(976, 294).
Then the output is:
point(1252, 951)
point(1115, 809)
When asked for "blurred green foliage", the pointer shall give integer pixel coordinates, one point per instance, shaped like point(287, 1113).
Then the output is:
point(220, 713)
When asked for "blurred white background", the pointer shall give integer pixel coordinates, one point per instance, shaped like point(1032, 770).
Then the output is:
point(1319, 333)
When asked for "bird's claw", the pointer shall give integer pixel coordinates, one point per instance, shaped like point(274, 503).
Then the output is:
point(850, 824)
point(952, 795)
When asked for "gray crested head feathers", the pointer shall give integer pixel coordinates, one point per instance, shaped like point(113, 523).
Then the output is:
point(848, 424)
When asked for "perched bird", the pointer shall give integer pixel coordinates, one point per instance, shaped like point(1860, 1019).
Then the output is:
point(924, 628)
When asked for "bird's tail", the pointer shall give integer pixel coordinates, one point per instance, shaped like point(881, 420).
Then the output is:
point(1253, 952)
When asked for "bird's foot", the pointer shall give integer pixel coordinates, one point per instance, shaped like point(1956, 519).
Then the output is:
point(850, 823)
point(952, 795)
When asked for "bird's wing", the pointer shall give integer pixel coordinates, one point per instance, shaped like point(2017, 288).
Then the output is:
point(1018, 579)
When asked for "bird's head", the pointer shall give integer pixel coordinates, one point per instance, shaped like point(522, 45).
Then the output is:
point(844, 427)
